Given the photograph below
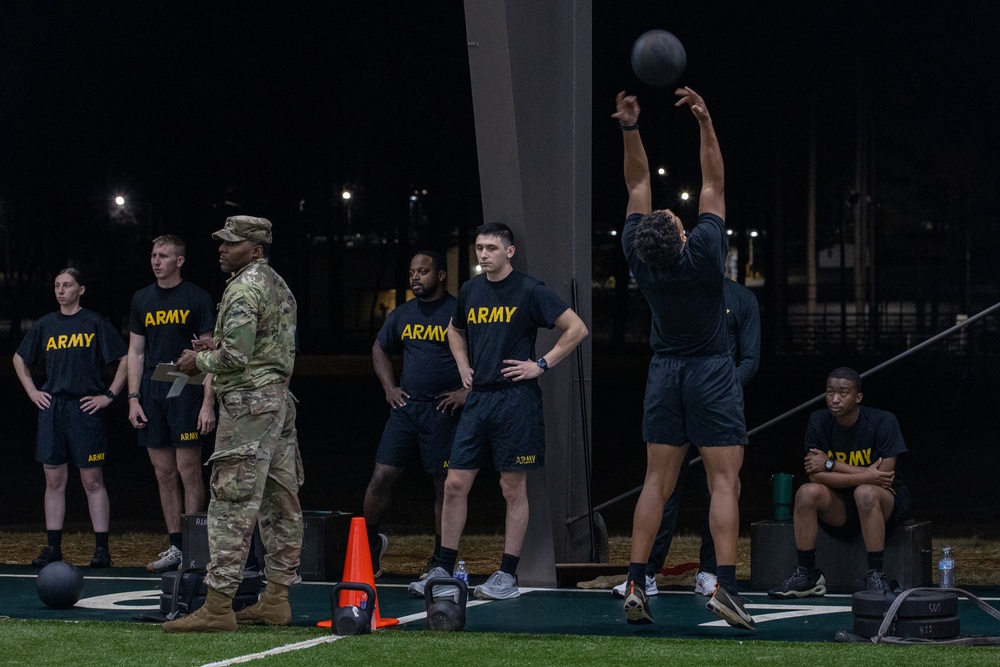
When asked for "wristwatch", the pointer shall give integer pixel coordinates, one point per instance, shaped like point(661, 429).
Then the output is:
point(134, 394)
point(828, 466)
point(110, 394)
point(544, 365)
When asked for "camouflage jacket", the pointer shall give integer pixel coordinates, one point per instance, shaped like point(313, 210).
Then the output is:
point(254, 332)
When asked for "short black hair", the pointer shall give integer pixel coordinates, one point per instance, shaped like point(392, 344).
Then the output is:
point(437, 259)
point(845, 373)
point(497, 229)
point(658, 242)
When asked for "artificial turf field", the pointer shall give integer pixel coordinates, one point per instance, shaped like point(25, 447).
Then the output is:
point(542, 627)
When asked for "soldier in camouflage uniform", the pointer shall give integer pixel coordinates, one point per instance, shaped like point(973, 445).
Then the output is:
point(256, 467)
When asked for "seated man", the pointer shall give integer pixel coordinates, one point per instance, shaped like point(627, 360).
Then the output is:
point(853, 484)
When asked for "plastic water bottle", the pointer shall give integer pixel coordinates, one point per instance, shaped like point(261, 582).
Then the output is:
point(461, 572)
point(946, 569)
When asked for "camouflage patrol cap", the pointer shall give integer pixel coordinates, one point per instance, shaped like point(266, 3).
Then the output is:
point(245, 228)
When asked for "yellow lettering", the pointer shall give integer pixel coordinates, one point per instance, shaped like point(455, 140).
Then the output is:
point(76, 340)
point(510, 312)
point(161, 317)
point(418, 331)
point(90, 338)
point(184, 315)
point(471, 317)
point(442, 333)
point(95, 457)
point(172, 317)
point(840, 456)
point(407, 332)
point(496, 315)
point(192, 435)
point(62, 341)
point(51, 344)
point(484, 314)
point(149, 320)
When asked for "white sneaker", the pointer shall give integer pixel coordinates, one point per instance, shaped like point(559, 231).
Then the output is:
point(704, 584)
point(651, 589)
point(168, 561)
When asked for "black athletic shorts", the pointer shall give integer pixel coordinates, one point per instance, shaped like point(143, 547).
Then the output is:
point(68, 434)
point(693, 399)
point(418, 431)
point(852, 526)
point(507, 424)
point(170, 422)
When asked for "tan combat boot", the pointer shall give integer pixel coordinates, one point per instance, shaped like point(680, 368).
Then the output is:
point(216, 615)
point(271, 609)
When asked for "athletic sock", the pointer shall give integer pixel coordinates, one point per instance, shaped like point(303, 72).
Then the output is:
point(637, 573)
point(509, 563)
point(726, 576)
point(437, 545)
point(55, 539)
point(807, 559)
point(446, 558)
point(101, 539)
point(876, 560)
point(176, 540)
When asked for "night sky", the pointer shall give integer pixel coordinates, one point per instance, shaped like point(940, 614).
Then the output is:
point(182, 107)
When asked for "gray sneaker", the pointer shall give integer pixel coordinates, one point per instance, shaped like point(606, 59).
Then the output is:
point(500, 586)
point(168, 562)
point(416, 588)
point(730, 609)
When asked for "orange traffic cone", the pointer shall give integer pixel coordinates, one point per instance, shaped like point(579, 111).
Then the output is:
point(358, 569)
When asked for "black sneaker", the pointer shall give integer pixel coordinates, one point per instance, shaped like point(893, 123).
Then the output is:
point(378, 549)
point(800, 585)
point(730, 609)
point(875, 581)
point(48, 555)
point(637, 605)
point(101, 559)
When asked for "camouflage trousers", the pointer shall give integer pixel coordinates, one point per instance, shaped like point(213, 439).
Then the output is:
point(256, 474)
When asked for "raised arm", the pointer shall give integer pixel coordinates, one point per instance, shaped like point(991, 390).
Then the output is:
point(640, 197)
point(713, 176)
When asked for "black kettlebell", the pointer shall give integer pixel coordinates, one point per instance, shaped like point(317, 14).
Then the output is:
point(446, 615)
point(352, 620)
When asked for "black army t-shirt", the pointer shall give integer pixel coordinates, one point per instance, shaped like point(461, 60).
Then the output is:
point(420, 329)
point(170, 318)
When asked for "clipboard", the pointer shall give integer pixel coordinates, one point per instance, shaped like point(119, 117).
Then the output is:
point(167, 372)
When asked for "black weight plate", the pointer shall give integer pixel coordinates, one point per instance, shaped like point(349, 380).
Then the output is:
point(922, 604)
point(910, 628)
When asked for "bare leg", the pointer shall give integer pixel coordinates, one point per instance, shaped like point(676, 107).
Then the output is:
point(813, 501)
point(456, 506)
point(722, 467)
point(97, 498)
point(438, 501)
point(874, 507)
point(55, 495)
point(663, 463)
point(165, 466)
point(379, 492)
point(189, 468)
point(515, 491)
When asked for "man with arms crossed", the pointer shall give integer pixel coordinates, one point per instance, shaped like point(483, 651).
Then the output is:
point(851, 455)
point(492, 336)
point(165, 317)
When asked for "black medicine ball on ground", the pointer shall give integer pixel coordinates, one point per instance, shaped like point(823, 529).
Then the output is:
point(59, 585)
point(658, 58)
